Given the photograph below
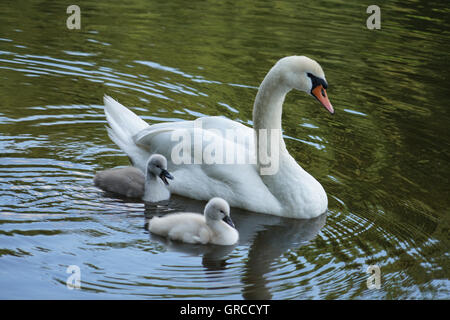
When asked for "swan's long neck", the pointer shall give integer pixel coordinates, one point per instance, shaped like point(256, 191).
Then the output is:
point(267, 114)
point(268, 106)
point(154, 190)
point(294, 188)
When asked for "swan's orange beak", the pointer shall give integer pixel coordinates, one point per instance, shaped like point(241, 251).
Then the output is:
point(320, 94)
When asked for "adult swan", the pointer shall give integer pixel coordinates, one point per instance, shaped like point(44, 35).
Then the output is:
point(288, 192)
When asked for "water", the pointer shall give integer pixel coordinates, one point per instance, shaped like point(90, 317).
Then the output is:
point(382, 158)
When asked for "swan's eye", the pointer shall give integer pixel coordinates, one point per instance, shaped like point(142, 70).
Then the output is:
point(317, 81)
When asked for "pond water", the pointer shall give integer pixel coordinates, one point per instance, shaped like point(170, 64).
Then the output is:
point(383, 158)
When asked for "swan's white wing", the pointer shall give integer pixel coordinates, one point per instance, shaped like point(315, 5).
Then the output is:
point(123, 124)
point(214, 124)
point(237, 182)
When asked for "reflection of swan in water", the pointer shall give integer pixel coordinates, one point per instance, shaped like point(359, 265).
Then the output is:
point(267, 243)
point(267, 237)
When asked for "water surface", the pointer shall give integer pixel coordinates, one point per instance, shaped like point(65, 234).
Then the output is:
point(382, 158)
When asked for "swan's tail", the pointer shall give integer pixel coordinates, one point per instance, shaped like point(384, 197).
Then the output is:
point(123, 125)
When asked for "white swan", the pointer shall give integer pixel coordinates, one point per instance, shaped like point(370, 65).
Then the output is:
point(214, 226)
point(291, 192)
point(131, 182)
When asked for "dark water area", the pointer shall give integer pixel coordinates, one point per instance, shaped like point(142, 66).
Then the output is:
point(383, 158)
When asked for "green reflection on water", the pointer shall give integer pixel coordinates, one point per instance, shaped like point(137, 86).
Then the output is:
point(383, 158)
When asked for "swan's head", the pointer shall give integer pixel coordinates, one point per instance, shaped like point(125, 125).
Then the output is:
point(218, 209)
point(157, 165)
point(305, 74)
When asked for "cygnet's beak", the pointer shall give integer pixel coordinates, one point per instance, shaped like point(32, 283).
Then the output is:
point(320, 94)
point(228, 221)
point(164, 175)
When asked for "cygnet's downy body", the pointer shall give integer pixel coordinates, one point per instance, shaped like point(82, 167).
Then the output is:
point(213, 227)
point(133, 183)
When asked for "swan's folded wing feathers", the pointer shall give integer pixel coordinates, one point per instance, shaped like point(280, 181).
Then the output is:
point(144, 137)
point(117, 113)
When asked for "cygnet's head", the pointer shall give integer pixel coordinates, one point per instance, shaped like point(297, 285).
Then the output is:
point(304, 74)
point(218, 209)
point(157, 166)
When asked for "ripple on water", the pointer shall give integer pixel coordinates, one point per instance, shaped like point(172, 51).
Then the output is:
point(53, 140)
